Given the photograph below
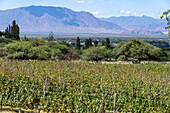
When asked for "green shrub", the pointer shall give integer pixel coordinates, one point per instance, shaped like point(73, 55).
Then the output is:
point(24, 50)
point(18, 50)
point(96, 54)
point(136, 50)
point(1, 52)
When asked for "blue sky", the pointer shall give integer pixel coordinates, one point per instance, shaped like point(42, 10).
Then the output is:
point(100, 8)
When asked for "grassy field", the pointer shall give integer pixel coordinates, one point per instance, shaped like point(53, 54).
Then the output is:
point(80, 86)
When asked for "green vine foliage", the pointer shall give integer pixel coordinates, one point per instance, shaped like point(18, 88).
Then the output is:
point(80, 86)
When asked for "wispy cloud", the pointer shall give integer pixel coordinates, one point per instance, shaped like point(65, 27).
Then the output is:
point(95, 13)
point(129, 13)
point(80, 1)
point(125, 12)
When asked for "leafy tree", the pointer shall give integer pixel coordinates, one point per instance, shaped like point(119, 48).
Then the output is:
point(78, 43)
point(95, 43)
point(51, 36)
point(57, 50)
point(72, 54)
point(90, 42)
point(96, 54)
point(1, 52)
point(18, 50)
point(87, 43)
point(24, 50)
point(25, 39)
point(38, 53)
point(108, 43)
point(7, 33)
point(169, 37)
point(103, 42)
point(1, 33)
point(165, 14)
point(65, 43)
point(4, 41)
point(136, 50)
point(12, 31)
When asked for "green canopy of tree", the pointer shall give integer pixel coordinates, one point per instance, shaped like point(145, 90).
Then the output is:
point(78, 43)
point(107, 43)
point(87, 43)
point(1, 33)
point(25, 39)
point(51, 36)
point(90, 42)
point(12, 32)
point(103, 42)
point(38, 50)
point(95, 43)
point(96, 54)
point(24, 50)
point(136, 50)
point(165, 15)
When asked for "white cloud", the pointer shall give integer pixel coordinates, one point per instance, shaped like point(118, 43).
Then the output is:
point(129, 13)
point(80, 1)
point(95, 13)
point(125, 12)
point(135, 14)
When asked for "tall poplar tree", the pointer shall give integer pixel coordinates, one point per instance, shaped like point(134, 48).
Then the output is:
point(12, 31)
point(87, 43)
point(103, 42)
point(95, 43)
point(108, 43)
point(90, 42)
point(78, 43)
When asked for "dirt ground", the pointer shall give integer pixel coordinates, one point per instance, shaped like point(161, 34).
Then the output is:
point(143, 62)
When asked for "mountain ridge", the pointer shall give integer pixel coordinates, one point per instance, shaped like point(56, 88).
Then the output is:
point(138, 23)
point(64, 20)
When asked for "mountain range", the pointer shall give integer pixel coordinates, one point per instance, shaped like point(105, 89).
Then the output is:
point(64, 20)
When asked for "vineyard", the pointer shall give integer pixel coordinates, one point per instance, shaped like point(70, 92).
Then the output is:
point(81, 86)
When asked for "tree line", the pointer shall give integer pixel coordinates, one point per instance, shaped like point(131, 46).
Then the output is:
point(12, 31)
point(89, 43)
point(134, 50)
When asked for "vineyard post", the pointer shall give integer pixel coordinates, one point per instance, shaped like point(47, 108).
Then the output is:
point(150, 89)
point(20, 98)
point(62, 81)
point(139, 84)
point(149, 93)
point(63, 87)
point(45, 86)
point(132, 93)
point(1, 68)
point(115, 97)
point(1, 106)
point(113, 83)
point(164, 89)
point(100, 110)
point(101, 83)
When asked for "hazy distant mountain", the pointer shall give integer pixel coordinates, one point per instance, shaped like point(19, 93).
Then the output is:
point(64, 20)
point(138, 24)
point(56, 19)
